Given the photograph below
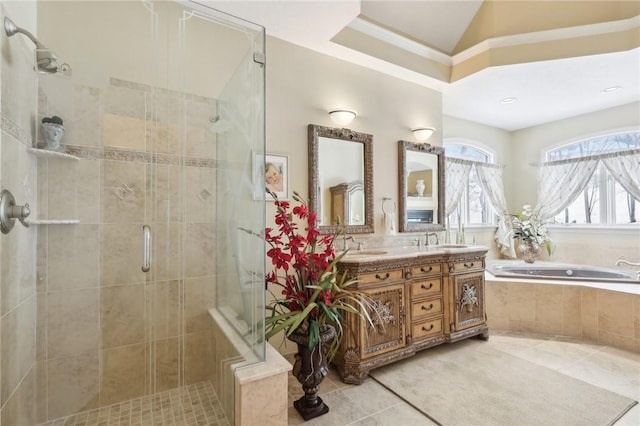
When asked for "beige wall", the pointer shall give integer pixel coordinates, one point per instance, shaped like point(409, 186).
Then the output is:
point(303, 85)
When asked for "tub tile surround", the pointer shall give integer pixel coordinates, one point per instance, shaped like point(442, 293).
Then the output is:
point(99, 308)
point(598, 315)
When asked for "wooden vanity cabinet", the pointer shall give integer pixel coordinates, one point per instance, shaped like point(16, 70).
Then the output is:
point(422, 301)
point(465, 296)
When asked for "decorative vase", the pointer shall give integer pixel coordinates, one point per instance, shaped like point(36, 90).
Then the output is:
point(529, 250)
point(420, 187)
point(52, 134)
point(310, 369)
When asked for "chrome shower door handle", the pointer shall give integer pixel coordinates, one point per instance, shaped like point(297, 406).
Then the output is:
point(146, 257)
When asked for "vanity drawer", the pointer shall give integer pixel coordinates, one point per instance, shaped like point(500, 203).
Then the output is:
point(426, 328)
point(381, 277)
point(468, 265)
point(426, 287)
point(426, 270)
point(428, 307)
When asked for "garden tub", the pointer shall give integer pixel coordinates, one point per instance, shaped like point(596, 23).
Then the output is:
point(590, 303)
point(557, 271)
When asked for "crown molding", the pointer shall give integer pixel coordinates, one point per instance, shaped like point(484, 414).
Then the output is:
point(399, 41)
point(422, 50)
point(548, 35)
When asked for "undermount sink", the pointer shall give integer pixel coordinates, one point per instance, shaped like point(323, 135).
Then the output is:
point(366, 252)
point(448, 246)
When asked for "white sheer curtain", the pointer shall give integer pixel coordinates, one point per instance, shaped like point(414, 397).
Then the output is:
point(625, 169)
point(456, 178)
point(490, 176)
point(560, 182)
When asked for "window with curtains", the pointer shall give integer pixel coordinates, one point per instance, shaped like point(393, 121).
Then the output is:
point(474, 207)
point(611, 167)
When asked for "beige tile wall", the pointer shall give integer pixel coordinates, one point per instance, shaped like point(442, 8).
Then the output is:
point(603, 316)
point(113, 332)
point(18, 173)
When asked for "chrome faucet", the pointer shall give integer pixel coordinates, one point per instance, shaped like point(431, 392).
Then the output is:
point(427, 235)
point(345, 239)
point(626, 262)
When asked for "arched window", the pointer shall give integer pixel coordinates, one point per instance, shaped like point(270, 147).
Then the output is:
point(474, 207)
point(603, 200)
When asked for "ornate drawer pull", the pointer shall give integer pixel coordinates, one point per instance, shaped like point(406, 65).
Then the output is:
point(382, 278)
point(422, 286)
point(426, 270)
point(468, 265)
point(427, 309)
point(429, 329)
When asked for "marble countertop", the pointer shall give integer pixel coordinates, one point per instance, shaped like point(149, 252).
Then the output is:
point(383, 253)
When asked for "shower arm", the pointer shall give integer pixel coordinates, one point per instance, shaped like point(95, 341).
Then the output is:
point(11, 29)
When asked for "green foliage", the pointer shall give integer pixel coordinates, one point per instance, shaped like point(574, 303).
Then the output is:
point(54, 119)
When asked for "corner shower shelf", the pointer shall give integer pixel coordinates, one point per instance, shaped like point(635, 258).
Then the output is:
point(45, 153)
point(53, 222)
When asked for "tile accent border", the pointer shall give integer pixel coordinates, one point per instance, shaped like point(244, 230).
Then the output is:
point(98, 153)
point(11, 128)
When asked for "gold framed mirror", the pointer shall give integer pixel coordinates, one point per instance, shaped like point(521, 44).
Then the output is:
point(341, 179)
point(421, 187)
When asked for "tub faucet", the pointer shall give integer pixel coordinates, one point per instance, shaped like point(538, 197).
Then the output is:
point(427, 235)
point(626, 262)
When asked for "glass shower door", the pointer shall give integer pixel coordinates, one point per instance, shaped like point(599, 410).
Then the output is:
point(164, 123)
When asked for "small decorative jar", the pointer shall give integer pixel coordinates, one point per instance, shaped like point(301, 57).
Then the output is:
point(420, 187)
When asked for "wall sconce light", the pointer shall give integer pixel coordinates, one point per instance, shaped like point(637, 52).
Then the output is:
point(422, 134)
point(342, 117)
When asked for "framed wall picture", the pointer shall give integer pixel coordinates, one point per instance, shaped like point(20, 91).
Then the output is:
point(271, 171)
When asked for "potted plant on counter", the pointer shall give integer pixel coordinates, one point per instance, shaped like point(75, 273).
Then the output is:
point(528, 227)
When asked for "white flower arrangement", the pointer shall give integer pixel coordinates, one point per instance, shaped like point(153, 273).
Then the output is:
point(528, 226)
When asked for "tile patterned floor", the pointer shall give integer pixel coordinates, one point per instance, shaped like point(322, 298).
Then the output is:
point(193, 405)
point(370, 404)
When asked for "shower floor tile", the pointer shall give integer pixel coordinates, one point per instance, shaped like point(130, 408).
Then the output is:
point(195, 404)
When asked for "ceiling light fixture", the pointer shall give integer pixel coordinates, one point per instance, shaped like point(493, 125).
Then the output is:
point(611, 89)
point(342, 117)
point(508, 100)
point(422, 134)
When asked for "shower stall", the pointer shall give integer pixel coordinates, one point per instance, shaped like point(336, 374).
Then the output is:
point(141, 258)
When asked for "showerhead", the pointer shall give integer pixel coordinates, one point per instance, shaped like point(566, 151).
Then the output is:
point(46, 60)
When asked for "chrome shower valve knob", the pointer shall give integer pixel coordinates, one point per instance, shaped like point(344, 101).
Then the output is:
point(10, 211)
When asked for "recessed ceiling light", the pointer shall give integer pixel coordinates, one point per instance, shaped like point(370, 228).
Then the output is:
point(611, 89)
point(508, 100)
